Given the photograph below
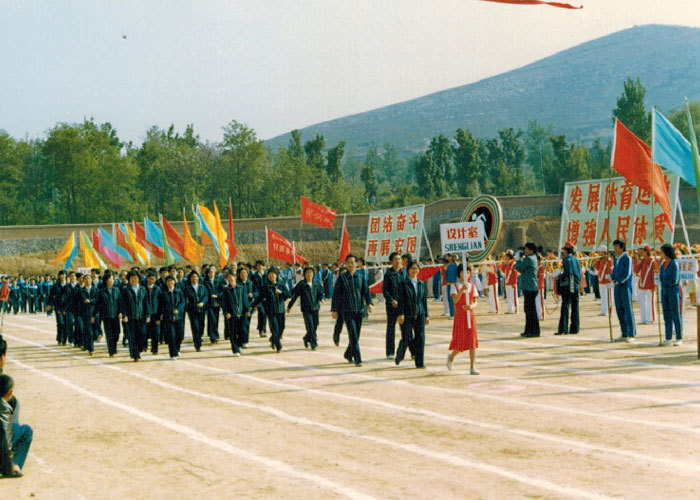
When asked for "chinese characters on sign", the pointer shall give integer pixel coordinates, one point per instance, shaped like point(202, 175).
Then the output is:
point(396, 230)
point(585, 223)
point(688, 267)
point(462, 237)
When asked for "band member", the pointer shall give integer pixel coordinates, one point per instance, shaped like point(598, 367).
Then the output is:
point(172, 313)
point(511, 284)
point(464, 336)
point(491, 272)
point(311, 294)
point(108, 306)
point(413, 315)
point(569, 283)
point(607, 297)
point(350, 295)
point(646, 286)
point(236, 308)
point(272, 295)
point(622, 279)
point(132, 309)
point(195, 302)
point(390, 290)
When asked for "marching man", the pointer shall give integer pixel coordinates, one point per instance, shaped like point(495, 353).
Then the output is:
point(646, 286)
point(511, 283)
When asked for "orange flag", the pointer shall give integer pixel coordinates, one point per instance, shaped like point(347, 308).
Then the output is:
point(193, 250)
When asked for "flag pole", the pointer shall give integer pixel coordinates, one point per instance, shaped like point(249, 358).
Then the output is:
point(267, 248)
point(607, 242)
point(653, 224)
point(696, 168)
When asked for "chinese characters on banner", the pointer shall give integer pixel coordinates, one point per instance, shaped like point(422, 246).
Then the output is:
point(278, 247)
point(313, 213)
point(584, 220)
point(395, 230)
point(462, 237)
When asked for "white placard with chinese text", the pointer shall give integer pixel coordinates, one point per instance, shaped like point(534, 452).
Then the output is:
point(688, 266)
point(462, 237)
point(396, 230)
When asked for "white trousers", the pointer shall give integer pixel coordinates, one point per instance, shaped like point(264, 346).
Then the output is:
point(606, 296)
point(646, 306)
point(493, 298)
point(539, 304)
point(445, 299)
point(635, 288)
point(511, 299)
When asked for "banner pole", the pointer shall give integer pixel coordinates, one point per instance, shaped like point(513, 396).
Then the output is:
point(267, 247)
point(428, 242)
point(608, 198)
point(653, 238)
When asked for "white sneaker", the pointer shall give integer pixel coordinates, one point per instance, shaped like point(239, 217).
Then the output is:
point(390, 356)
point(619, 339)
point(666, 342)
point(236, 354)
point(172, 358)
point(678, 342)
point(630, 340)
point(245, 346)
point(473, 371)
point(449, 363)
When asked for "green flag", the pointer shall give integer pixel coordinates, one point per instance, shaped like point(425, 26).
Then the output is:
point(197, 226)
point(169, 259)
point(694, 150)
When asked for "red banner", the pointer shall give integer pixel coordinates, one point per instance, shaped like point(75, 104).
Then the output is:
point(278, 247)
point(314, 213)
point(424, 274)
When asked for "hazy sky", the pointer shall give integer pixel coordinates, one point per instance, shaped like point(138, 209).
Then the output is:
point(275, 65)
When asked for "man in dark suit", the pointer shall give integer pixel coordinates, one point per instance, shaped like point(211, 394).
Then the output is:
point(56, 301)
point(133, 309)
point(390, 289)
point(235, 306)
point(258, 279)
point(108, 307)
point(569, 281)
point(172, 314)
point(311, 293)
point(350, 295)
point(151, 314)
point(413, 315)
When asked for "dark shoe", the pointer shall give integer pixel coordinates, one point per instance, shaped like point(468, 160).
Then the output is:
point(359, 363)
point(533, 335)
point(560, 333)
point(336, 342)
point(306, 343)
point(573, 333)
point(527, 334)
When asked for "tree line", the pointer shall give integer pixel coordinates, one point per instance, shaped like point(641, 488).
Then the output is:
point(83, 172)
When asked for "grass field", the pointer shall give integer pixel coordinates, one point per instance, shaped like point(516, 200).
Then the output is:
point(554, 417)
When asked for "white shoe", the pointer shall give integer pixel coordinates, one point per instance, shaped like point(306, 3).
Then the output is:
point(619, 339)
point(666, 342)
point(602, 314)
point(236, 354)
point(473, 371)
point(629, 340)
point(172, 358)
point(449, 363)
point(678, 342)
point(390, 356)
point(245, 346)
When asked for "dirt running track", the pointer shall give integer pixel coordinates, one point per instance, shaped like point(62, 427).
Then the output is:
point(554, 417)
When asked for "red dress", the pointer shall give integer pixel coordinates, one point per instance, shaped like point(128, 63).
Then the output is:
point(463, 330)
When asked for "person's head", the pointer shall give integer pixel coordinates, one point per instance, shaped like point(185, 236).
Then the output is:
point(162, 272)
point(87, 280)
point(108, 280)
point(231, 279)
point(309, 273)
point(395, 260)
point(151, 279)
point(668, 251)
point(133, 278)
point(619, 246)
point(72, 279)
point(243, 273)
point(193, 277)
point(259, 265)
point(211, 272)
point(460, 272)
point(172, 271)
point(170, 282)
point(62, 277)
point(351, 263)
point(413, 269)
point(272, 274)
point(530, 248)
point(6, 387)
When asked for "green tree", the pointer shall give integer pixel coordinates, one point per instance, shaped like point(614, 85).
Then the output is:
point(314, 152)
point(368, 177)
point(441, 152)
point(538, 150)
point(335, 156)
point(631, 112)
point(429, 176)
point(295, 148)
point(680, 119)
point(469, 163)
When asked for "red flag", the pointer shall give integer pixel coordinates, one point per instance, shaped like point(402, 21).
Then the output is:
point(537, 2)
point(632, 159)
point(123, 242)
point(316, 214)
point(278, 247)
point(175, 241)
point(140, 233)
point(232, 250)
point(424, 274)
point(344, 244)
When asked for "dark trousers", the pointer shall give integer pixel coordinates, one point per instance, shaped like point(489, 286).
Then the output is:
point(60, 327)
point(595, 285)
point(153, 333)
point(246, 330)
point(22, 436)
point(197, 327)
point(171, 332)
point(276, 322)
point(233, 329)
point(70, 327)
point(353, 322)
point(532, 323)
point(670, 301)
point(392, 313)
point(311, 323)
point(262, 318)
point(413, 338)
point(337, 328)
point(79, 329)
point(213, 323)
point(568, 299)
point(96, 327)
point(625, 314)
point(88, 341)
point(134, 330)
point(32, 304)
point(111, 327)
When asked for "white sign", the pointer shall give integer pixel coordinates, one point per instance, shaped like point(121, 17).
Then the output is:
point(462, 237)
point(688, 266)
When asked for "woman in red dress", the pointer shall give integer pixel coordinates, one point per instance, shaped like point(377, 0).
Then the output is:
point(464, 326)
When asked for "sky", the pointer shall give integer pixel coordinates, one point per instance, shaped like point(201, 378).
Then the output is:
point(274, 65)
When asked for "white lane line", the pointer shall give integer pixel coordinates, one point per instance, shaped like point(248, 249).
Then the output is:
point(674, 465)
point(42, 463)
point(491, 397)
point(270, 463)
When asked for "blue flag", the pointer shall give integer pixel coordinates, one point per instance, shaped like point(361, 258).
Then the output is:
point(670, 150)
point(155, 236)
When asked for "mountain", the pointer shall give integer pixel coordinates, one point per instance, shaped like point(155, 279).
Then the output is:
point(574, 90)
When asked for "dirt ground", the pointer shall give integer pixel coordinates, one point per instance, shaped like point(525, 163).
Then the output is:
point(553, 417)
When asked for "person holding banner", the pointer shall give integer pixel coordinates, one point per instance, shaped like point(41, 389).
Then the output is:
point(646, 286)
point(390, 290)
point(622, 279)
point(350, 295)
point(527, 267)
point(669, 277)
point(569, 282)
point(464, 327)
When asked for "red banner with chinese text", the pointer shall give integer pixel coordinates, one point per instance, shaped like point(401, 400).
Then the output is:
point(395, 230)
point(278, 247)
point(313, 213)
point(585, 223)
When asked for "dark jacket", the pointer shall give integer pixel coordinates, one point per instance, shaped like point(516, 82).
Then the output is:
point(194, 297)
point(87, 298)
point(234, 300)
point(213, 289)
point(527, 267)
point(73, 304)
point(412, 303)
point(570, 276)
point(311, 296)
point(108, 302)
point(257, 281)
point(350, 293)
point(168, 303)
point(5, 438)
point(151, 302)
point(272, 301)
point(391, 285)
point(57, 297)
point(133, 305)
